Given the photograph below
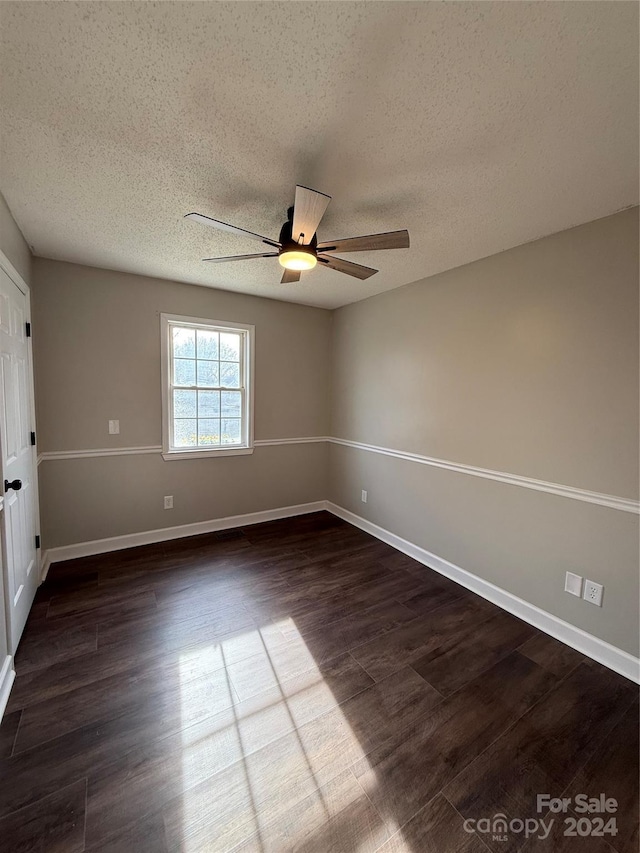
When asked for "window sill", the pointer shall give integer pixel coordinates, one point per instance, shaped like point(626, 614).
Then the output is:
point(173, 455)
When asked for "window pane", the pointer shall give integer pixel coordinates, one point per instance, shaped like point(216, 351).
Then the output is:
point(229, 375)
point(208, 431)
point(208, 404)
point(184, 432)
point(231, 404)
point(231, 431)
point(207, 344)
point(184, 342)
point(184, 404)
point(229, 346)
point(184, 371)
point(208, 373)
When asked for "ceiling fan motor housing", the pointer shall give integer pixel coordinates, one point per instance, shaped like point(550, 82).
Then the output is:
point(289, 244)
point(296, 256)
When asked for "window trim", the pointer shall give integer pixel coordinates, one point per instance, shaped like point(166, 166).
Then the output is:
point(248, 361)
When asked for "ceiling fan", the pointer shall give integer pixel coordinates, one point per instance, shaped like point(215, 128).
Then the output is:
point(297, 248)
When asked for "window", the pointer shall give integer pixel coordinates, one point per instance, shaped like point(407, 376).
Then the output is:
point(207, 369)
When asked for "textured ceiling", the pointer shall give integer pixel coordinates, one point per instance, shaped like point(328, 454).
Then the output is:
point(477, 126)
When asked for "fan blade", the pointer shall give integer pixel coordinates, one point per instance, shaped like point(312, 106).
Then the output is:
point(224, 226)
point(308, 210)
point(370, 243)
point(341, 265)
point(240, 257)
point(290, 276)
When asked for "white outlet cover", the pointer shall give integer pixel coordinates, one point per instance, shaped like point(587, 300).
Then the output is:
point(593, 592)
point(168, 501)
point(114, 427)
point(573, 584)
point(364, 496)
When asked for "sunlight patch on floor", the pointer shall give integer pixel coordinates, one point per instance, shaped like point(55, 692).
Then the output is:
point(272, 764)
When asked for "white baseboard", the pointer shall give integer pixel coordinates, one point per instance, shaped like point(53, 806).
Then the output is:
point(610, 656)
point(599, 650)
point(7, 676)
point(148, 537)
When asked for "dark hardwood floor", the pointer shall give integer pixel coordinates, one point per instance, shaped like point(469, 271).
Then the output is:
point(298, 685)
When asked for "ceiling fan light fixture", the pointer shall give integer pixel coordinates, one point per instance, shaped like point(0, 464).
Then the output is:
point(297, 259)
point(297, 251)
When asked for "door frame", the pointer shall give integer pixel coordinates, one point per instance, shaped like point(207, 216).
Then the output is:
point(7, 672)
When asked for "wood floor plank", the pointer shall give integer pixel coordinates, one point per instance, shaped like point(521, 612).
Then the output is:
point(358, 723)
point(313, 604)
point(95, 599)
point(308, 524)
point(146, 555)
point(308, 612)
point(181, 700)
point(337, 817)
point(148, 777)
point(8, 729)
point(68, 675)
point(264, 785)
point(613, 770)
point(269, 782)
point(54, 824)
point(156, 633)
point(436, 828)
point(333, 638)
point(118, 612)
point(443, 626)
point(543, 750)
point(123, 609)
point(273, 688)
point(456, 662)
point(551, 654)
point(43, 645)
point(389, 707)
point(439, 590)
point(67, 583)
point(38, 772)
point(431, 598)
point(271, 666)
point(409, 769)
point(325, 580)
point(145, 835)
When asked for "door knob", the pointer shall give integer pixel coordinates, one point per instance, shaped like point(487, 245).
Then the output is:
point(16, 485)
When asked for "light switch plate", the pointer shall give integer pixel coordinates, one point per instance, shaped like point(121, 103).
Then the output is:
point(114, 427)
point(573, 584)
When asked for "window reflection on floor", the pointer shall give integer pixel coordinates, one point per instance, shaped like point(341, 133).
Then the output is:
point(269, 770)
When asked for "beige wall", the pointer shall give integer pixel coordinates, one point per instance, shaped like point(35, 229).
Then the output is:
point(13, 244)
point(97, 357)
point(525, 362)
point(96, 498)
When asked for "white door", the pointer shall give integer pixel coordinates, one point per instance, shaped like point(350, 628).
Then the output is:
point(17, 458)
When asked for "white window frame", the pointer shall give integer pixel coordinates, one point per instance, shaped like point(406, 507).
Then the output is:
point(247, 362)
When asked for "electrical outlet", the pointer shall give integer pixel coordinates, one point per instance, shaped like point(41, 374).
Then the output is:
point(573, 584)
point(593, 592)
point(114, 427)
point(168, 501)
point(364, 497)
